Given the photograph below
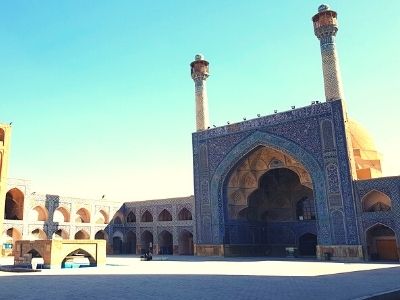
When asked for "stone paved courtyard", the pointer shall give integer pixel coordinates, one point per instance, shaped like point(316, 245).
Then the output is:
point(126, 277)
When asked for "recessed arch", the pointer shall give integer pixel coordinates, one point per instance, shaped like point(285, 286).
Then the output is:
point(39, 213)
point(12, 235)
point(146, 217)
point(2, 136)
point(376, 201)
point(184, 214)
point(38, 234)
point(242, 149)
point(82, 216)
point(61, 215)
point(101, 235)
point(82, 235)
point(117, 220)
point(165, 242)
point(185, 243)
point(131, 242)
point(101, 217)
point(79, 257)
point(381, 243)
point(117, 242)
point(165, 216)
point(14, 206)
point(61, 234)
point(131, 218)
point(146, 240)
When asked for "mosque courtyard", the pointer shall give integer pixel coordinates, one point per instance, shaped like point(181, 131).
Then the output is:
point(171, 277)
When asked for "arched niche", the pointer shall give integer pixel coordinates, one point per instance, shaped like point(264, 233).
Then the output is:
point(61, 215)
point(82, 216)
point(38, 234)
point(382, 243)
point(101, 217)
point(61, 234)
point(165, 242)
point(131, 218)
point(38, 213)
point(376, 201)
point(184, 214)
point(82, 235)
point(164, 216)
point(14, 206)
point(146, 217)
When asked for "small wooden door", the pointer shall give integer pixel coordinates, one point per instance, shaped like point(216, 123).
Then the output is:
point(387, 249)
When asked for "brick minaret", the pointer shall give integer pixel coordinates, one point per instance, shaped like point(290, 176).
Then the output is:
point(325, 28)
point(199, 72)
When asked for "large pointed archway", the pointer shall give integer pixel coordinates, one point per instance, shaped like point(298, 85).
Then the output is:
point(382, 243)
point(228, 224)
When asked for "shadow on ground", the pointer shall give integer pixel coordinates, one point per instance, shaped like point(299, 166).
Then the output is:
point(339, 286)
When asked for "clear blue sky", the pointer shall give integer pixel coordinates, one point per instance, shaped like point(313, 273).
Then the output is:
point(101, 99)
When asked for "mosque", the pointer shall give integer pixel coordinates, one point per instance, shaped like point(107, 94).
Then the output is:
point(304, 182)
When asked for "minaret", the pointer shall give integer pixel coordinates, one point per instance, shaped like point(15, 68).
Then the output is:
point(325, 28)
point(5, 136)
point(199, 72)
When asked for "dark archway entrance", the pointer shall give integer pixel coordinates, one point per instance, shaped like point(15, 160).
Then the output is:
point(381, 243)
point(269, 198)
point(165, 242)
point(77, 259)
point(14, 206)
point(185, 243)
point(146, 241)
point(308, 245)
point(131, 243)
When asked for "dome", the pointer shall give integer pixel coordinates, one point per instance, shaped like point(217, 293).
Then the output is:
point(323, 7)
point(360, 137)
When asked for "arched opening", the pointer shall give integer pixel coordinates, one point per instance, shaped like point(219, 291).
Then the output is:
point(376, 201)
point(38, 234)
point(381, 243)
point(184, 214)
point(147, 217)
point(37, 258)
point(269, 198)
point(101, 217)
point(131, 243)
point(118, 239)
point(82, 216)
point(308, 244)
point(185, 243)
point(78, 259)
point(117, 220)
point(38, 213)
point(100, 235)
point(14, 208)
point(165, 215)
point(10, 236)
point(131, 218)
point(82, 235)
point(2, 135)
point(61, 215)
point(165, 242)
point(146, 240)
point(60, 234)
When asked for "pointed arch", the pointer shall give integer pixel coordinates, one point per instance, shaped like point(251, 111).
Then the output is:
point(101, 217)
point(381, 243)
point(117, 242)
point(165, 242)
point(78, 257)
point(164, 216)
point(146, 240)
point(82, 235)
point(131, 218)
point(39, 213)
point(146, 217)
point(38, 234)
point(185, 243)
point(131, 242)
point(14, 206)
point(184, 214)
point(2, 135)
point(61, 234)
point(61, 215)
point(376, 201)
point(82, 216)
point(12, 235)
point(101, 235)
point(283, 145)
